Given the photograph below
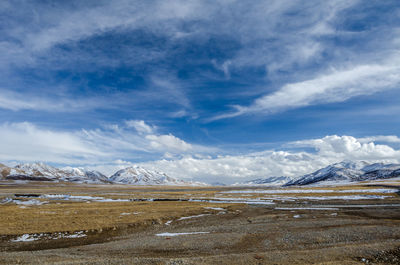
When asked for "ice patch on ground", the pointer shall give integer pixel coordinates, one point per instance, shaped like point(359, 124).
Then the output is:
point(306, 208)
point(193, 216)
point(233, 200)
point(181, 234)
point(361, 205)
point(215, 208)
point(344, 197)
point(81, 198)
point(313, 191)
point(23, 202)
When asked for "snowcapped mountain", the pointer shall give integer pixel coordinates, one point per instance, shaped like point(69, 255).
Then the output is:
point(348, 171)
point(44, 172)
point(271, 181)
point(343, 172)
point(82, 175)
point(139, 176)
point(40, 171)
point(132, 175)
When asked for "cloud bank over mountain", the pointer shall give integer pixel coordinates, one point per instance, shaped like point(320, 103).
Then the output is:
point(110, 148)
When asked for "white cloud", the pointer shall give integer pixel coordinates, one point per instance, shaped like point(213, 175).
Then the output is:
point(25, 101)
point(168, 143)
point(246, 23)
point(140, 126)
point(118, 147)
point(335, 86)
point(348, 147)
point(28, 142)
point(231, 168)
point(380, 138)
point(236, 168)
point(256, 27)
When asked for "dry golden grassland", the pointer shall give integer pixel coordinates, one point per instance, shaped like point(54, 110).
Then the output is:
point(69, 215)
point(74, 216)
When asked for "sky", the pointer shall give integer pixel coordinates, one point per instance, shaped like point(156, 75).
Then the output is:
point(215, 91)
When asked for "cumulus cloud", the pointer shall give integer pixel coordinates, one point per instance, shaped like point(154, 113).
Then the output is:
point(348, 147)
point(231, 168)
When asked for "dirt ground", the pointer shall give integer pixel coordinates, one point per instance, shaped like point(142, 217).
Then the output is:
point(283, 232)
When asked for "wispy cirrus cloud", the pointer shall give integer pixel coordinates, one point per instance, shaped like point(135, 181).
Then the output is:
point(16, 101)
point(334, 86)
point(77, 35)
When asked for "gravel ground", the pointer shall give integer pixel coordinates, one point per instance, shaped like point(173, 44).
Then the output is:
point(252, 235)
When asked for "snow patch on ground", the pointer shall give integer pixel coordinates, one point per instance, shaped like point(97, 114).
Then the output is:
point(34, 237)
point(25, 238)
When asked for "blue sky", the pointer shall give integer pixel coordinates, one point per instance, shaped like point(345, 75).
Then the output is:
point(193, 87)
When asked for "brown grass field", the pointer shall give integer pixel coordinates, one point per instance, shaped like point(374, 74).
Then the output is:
point(36, 229)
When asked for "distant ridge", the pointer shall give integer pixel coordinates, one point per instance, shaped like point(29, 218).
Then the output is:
point(134, 175)
point(270, 181)
point(137, 175)
point(348, 171)
point(343, 172)
point(338, 173)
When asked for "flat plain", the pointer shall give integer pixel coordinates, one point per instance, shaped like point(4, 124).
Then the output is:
point(64, 223)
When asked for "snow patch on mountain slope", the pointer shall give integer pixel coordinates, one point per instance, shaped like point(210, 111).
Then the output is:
point(139, 176)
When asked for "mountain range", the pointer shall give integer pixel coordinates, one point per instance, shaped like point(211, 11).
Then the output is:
point(343, 172)
point(135, 175)
point(348, 171)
